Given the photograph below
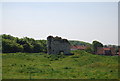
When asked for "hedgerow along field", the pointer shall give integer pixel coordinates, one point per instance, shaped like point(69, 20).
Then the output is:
point(81, 65)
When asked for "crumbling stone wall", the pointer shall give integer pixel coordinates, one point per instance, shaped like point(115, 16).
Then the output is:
point(57, 45)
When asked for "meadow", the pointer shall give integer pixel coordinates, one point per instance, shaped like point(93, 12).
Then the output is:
point(81, 65)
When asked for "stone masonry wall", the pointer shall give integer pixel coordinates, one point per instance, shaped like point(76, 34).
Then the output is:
point(57, 45)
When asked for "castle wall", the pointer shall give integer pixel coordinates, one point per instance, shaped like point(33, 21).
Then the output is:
point(57, 45)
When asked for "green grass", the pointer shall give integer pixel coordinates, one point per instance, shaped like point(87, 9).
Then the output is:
point(81, 65)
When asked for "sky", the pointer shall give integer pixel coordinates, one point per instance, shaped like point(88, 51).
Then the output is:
point(83, 21)
point(59, 0)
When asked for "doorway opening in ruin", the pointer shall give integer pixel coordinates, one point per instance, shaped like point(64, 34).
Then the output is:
point(61, 52)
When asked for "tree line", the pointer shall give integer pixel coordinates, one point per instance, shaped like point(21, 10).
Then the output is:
point(12, 44)
point(74, 42)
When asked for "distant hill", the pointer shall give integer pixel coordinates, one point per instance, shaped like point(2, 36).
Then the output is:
point(75, 42)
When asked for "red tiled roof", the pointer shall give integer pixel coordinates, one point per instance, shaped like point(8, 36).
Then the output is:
point(106, 48)
point(78, 47)
point(101, 50)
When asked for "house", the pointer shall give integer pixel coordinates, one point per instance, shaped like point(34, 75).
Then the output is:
point(119, 52)
point(78, 47)
point(105, 51)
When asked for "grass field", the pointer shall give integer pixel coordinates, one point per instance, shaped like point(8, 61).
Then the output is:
point(81, 65)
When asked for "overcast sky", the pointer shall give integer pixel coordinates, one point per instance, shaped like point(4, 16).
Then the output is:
point(84, 21)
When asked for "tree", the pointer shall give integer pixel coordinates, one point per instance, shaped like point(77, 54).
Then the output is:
point(43, 45)
point(21, 41)
point(37, 48)
point(96, 44)
point(89, 50)
point(9, 46)
point(28, 48)
point(4, 36)
point(0, 43)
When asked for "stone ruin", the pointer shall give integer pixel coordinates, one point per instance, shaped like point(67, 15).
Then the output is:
point(57, 45)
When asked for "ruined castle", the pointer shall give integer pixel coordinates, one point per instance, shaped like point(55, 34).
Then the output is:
point(57, 45)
